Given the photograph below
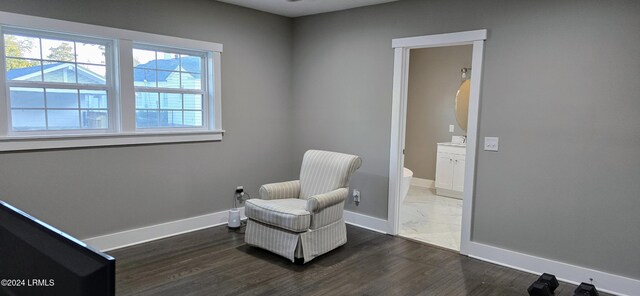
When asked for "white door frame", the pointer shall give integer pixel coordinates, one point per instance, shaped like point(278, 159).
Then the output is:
point(401, 47)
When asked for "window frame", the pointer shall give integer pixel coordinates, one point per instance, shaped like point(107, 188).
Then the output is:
point(122, 129)
point(205, 83)
point(109, 85)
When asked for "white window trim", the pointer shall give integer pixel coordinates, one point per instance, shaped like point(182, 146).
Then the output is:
point(109, 85)
point(206, 85)
point(125, 132)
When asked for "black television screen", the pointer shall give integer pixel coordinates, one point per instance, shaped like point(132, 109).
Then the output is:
point(38, 259)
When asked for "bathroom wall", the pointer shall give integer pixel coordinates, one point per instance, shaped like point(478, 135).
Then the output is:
point(434, 78)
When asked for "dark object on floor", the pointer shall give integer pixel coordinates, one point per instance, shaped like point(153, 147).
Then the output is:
point(550, 279)
point(586, 290)
point(539, 289)
point(544, 286)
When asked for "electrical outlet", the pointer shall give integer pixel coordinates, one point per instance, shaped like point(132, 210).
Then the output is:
point(238, 196)
point(451, 128)
point(356, 196)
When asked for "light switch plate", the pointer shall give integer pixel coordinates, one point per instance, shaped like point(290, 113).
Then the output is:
point(490, 143)
point(451, 128)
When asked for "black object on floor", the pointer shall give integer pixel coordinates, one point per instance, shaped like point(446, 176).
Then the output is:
point(550, 280)
point(586, 290)
point(539, 289)
point(545, 285)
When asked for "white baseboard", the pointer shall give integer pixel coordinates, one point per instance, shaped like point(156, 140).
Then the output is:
point(450, 193)
point(145, 234)
point(366, 222)
point(603, 281)
point(426, 183)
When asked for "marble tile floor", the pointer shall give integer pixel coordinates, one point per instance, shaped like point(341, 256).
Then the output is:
point(430, 218)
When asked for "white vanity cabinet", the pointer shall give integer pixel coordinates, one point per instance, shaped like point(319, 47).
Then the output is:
point(450, 170)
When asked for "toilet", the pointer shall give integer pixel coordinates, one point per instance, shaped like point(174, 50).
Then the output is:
point(405, 183)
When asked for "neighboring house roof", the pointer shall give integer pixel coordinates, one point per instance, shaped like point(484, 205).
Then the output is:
point(140, 73)
point(147, 71)
point(30, 72)
point(20, 72)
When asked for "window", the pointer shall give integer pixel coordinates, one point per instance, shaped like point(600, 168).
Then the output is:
point(170, 92)
point(68, 84)
point(57, 82)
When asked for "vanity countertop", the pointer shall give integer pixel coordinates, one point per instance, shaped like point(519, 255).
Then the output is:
point(453, 144)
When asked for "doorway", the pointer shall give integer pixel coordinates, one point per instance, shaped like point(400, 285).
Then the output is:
point(402, 48)
point(434, 159)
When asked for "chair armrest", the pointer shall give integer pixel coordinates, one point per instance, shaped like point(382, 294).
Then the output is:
point(319, 202)
point(290, 189)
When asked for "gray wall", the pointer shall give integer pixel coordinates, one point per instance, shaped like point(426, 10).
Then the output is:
point(89, 192)
point(434, 79)
point(559, 88)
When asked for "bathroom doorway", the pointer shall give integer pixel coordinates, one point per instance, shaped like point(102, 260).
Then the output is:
point(442, 191)
point(435, 145)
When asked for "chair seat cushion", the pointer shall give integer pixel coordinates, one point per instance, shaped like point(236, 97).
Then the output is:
point(289, 213)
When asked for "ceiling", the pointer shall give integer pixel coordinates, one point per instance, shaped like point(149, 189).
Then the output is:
point(297, 8)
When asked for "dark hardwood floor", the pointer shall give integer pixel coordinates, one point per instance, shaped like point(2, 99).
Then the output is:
point(215, 261)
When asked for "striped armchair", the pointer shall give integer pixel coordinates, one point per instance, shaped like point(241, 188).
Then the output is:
point(303, 218)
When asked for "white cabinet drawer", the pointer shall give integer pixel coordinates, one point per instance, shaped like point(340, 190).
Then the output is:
point(444, 148)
